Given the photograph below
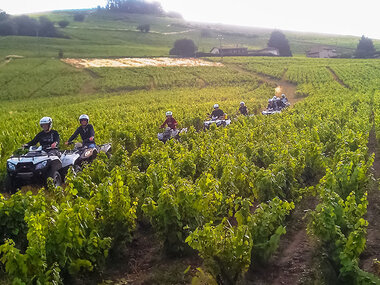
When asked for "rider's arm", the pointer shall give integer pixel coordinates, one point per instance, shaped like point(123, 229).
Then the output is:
point(56, 139)
point(74, 136)
point(92, 131)
point(163, 125)
point(35, 140)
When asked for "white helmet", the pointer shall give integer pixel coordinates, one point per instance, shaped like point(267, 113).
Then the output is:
point(274, 97)
point(216, 106)
point(169, 113)
point(84, 117)
point(242, 103)
point(270, 100)
point(283, 95)
point(47, 120)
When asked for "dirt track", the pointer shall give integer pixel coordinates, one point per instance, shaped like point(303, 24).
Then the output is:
point(139, 62)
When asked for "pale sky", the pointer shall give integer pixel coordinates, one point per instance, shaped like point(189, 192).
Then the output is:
point(326, 16)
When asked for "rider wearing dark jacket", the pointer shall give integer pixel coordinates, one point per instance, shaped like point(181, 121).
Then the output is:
point(243, 109)
point(217, 112)
point(86, 132)
point(47, 138)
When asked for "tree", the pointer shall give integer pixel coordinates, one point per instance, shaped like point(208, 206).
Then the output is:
point(79, 17)
point(278, 40)
point(135, 6)
point(7, 28)
point(63, 24)
point(26, 26)
point(184, 47)
point(3, 15)
point(46, 28)
point(365, 48)
point(144, 28)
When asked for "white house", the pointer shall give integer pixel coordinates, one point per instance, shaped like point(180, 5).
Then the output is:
point(321, 52)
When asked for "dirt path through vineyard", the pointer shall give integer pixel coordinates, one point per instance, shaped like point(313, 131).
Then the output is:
point(372, 250)
point(280, 85)
point(293, 261)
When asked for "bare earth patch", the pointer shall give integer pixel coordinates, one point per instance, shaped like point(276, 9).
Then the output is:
point(138, 62)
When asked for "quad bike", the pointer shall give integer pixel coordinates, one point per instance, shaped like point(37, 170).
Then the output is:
point(215, 120)
point(169, 134)
point(34, 167)
point(81, 155)
point(271, 111)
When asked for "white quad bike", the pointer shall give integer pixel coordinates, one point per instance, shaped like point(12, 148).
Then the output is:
point(34, 167)
point(169, 134)
point(271, 111)
point(81, 155)
point(217, 121)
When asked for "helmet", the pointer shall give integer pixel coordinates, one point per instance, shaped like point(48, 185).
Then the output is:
point(216, 106)
point(269, 100)
point(274, 97)
point(47, 120)
point(84, 117)
point(242, 103)
point(283, 95)
point(169, 113)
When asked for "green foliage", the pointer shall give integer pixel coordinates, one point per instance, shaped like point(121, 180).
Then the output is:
point(224, 248)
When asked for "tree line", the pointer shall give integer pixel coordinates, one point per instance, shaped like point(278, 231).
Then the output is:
point(27, 26)
point(139, 7)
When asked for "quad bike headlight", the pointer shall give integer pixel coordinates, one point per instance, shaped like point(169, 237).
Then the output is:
point(41, 165)
point(11, 166)
point(88, 153)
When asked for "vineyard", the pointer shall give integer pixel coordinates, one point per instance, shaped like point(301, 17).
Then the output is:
point(282, 199)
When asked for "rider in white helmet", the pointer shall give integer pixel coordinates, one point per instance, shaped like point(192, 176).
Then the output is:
point(170, 121)
point(217, 113)
point(86, 132)
point(284, 99)
point(243, 109)
point(47, 138)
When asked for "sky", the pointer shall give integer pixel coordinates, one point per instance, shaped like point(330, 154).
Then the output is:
point(324, 16)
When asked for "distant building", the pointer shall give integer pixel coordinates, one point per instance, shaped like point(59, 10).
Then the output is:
point(269, 51)
point(239, 51)
point(229, 51)
point(321, 52)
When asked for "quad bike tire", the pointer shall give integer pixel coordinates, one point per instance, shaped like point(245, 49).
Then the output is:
point(10, 185)
point(56, 176)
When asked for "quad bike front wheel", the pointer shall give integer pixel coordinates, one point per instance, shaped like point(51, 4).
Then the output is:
point(56, 177)
point(10, 185)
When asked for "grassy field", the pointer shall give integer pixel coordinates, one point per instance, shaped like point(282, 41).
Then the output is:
point(114, 35)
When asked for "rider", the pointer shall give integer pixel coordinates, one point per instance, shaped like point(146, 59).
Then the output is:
point(86, 132)
point(284, 99)
point(47, 138)
point(170, 121)
point(243, 109)
point(217, 113)
point(270, 104)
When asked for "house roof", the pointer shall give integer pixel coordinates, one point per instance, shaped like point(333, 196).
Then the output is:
point(319, 49)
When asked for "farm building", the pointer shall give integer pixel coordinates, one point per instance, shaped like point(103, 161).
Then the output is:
point(321, 52)
point(229, 51)
point(269, 51)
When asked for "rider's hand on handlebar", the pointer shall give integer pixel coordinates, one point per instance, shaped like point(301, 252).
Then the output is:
point(91, 138)
point(53, 145)
point(67, 143)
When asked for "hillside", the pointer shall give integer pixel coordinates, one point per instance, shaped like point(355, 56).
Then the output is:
point(105, 34)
